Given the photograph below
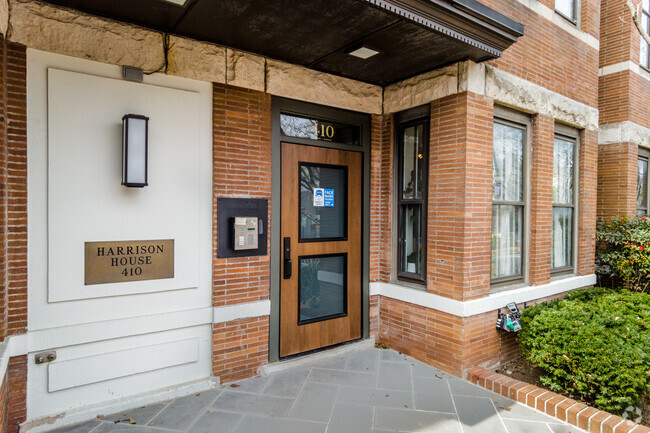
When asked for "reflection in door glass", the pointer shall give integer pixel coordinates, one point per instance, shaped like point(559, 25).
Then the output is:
point(323, 202)
point(322, 287)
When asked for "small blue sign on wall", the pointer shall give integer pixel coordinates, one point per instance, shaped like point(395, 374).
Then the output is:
point(328, 198)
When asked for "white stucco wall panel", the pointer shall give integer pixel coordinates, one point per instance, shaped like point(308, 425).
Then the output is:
point(86, 201)
point(113, 370)
point(80, 210)
point(103, 334)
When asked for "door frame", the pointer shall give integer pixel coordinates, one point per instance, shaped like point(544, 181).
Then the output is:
point(289, 106)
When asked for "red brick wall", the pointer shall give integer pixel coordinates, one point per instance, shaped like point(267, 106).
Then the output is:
point(3, 191)
point(381, 196)
point(241, 168)
point(16, 93)
point(623, 96)
point(448, 342)
point(617, 171)
point(17, 392)
point(239, 348)
point(377, 215)
point(587, 186)
point(13, 225)
point(613, 95)
point(541, 199)
point(459, 202)
point(549, 56)
point(374, 317)
point(619, 38)
point(3, 405)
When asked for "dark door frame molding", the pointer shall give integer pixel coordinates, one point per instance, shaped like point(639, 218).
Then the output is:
point(289, 106)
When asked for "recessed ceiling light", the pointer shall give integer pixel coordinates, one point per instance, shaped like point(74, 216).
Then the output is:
point(363, 52)
point(177, 2)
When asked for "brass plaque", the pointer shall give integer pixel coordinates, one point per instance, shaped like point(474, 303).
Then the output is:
point(122, 261)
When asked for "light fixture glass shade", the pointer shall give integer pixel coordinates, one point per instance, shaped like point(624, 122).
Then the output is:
point(134, 150)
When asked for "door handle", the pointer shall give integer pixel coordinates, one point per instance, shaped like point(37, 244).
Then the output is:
point(287, 258)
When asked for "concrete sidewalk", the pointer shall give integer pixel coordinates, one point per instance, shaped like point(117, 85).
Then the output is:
point(371, 390)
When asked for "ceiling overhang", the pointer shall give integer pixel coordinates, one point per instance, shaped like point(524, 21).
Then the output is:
point(409, 36)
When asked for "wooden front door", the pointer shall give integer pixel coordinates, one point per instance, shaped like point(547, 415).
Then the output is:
point(320, 295)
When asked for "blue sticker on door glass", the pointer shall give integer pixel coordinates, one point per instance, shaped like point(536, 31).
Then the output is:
point(328, 198)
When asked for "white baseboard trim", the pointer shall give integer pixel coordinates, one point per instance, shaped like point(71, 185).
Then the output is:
point(241, 311)
point(483, 305)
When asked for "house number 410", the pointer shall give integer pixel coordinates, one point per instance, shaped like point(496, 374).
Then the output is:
point(324, 132)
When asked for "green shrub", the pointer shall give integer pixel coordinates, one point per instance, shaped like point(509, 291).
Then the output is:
point(594, 345)
point(623, 253)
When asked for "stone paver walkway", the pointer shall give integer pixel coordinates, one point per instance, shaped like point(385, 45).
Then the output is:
point(372, 390)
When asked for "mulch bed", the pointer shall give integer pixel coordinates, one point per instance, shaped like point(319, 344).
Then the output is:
point(521, 369)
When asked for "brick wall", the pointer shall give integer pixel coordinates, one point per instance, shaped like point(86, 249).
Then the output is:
point(619, 39)
point(541, 199)
point(13, 224)
point(587, 186)
point(16, 144)
point(623, 96)
point(3, 191)
point(451, 343)
point(448, 342)
point(617, 172)
point(374, 317)
point(376, 215)
point(381, 193)
point(3, 405)
point(241, 168)
point(459, 202)
point(17, 392)
point(239, 348)
point(549, 56)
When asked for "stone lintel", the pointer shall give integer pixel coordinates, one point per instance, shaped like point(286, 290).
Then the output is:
point(520, 94)
point(624, 132)
point(305, 84)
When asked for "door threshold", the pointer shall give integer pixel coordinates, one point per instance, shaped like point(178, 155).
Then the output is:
point(321, 355)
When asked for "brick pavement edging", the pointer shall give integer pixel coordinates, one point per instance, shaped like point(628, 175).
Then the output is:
point(556, 405)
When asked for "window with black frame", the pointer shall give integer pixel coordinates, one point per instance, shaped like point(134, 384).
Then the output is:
point(411, 199)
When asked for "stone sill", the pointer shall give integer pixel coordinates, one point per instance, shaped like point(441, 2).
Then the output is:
point(555, 405)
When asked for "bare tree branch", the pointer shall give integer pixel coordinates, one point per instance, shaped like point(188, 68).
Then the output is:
point(637, 22)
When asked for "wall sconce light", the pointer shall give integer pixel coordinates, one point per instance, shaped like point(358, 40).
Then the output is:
point(135, 136)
